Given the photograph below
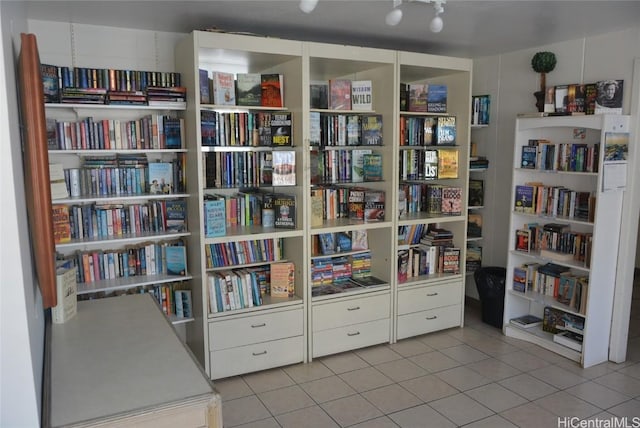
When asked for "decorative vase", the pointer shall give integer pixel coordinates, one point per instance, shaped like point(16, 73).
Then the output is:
point(539, 100)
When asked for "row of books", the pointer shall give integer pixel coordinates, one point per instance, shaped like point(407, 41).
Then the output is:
point(349, 284)
point(480, 109)
point(555, 241)
point(603, 96)
point(335, 243)
point(155, 131)
point(341, 94)
point(248, 208)
point(428, 164)
point(153, 258)
point(423, 97)
point(103, 221)
point(355, 203)
point(345, 166)
point(330, 270)
point(249, 169)
point(536, 198)
point(478, 163)
point(244, 252)
point(246, 128)
point(544, 155)
point(428, 131)
point(424, 259)
point(567, 328)
point(336, 129)
point(553, 280)
point(436, 199)
point(243, 89)
point(56, 78)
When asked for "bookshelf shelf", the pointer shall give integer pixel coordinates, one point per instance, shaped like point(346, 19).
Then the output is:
point(600, 239)
point(129, 283)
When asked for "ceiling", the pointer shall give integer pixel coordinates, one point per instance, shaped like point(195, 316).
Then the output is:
point(472, 28)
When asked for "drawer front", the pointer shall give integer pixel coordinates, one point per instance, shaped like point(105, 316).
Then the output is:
point(255, 329)
point(429, 297)
point(261, 356)
point(346, 312)
point(355, 336)
point(427, 321)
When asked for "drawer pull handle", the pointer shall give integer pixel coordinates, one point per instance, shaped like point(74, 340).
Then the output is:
point(258, 325)
point(353, 334)
point(431, 318)
point(255, 354)
point(431, 294)
point(354, 308)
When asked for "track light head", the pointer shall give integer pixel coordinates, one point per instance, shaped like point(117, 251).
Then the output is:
point(436, 24)
point(393, 17)
point(307, 6)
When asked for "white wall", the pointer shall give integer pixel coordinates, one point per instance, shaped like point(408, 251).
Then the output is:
point(21, 313)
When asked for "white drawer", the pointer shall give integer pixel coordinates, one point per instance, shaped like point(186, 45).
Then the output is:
point(429, 297)
point(344, 312)
point(261, 356)
point(257, 328)
point(427, 321)
point(351, 337)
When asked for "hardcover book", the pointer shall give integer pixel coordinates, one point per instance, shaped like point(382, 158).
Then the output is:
point(160, 177)
point(418, 97)
point(437, 99)
point(374, 205)
point(51, 82)
point(266, 168)
point(204, 85)
point(519, 279)
point(317, 208)
point(176, 257)
point(529, 156)
point(61, 225)
point(282, 279)
point(357, 164)
point(524, 199)
point(562, 98)
point(356, 203)
point(268, 211)
point(451, 200)
point(371, 125)
point(176, 215)
point(476, 193)
point(361, 95)
point(284, 168)
point(284, 207)
point(590, 94)
point(526, 321)
point(359, 240)
point(523, 240)
point(609, 96)
point(67, 293)
point(319, 94)
point(372, 166)
point(315, 133)
point(354, 127)
point(474, 225)
point(281, 129)
point(248, 89)
point(327, 243)
point(272, 90)
point(445, 131)
point(451, 260)
point(575, 98)
point(215, 218)
point(224, 88)
point(340, 94)
point(431, 164)
point(448, 163)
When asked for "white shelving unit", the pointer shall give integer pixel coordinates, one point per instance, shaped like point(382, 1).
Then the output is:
point(73, 158)
point(434, 302)
point(273, 334)
point(601, 268)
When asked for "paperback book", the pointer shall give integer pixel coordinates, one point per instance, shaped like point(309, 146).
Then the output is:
point(374, 205)
point(319, 94)
point(160, 177)
point(282, 279)
point(437, 99)
point(284, 168)
point(371, 125)
point(224, 88)
point(66, 293)
point(448, 163)
point(176, 257)
point(431, 163)
point(526, 321)
point(176, 215)
point(361, 95)
point(418, 97)
point(284, 207)
point(446, 131)
point(281, 129)
point(372, 167)
point(451, 200)
point(340, 94)
point(272, 90)
point(215, 218)
point(248, 89)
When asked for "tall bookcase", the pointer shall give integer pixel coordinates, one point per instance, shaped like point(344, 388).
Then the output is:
point(132, 226)
point(311, 323)
point(244, 339)
point(595, 223)
point(429, 302)
point(360, 316)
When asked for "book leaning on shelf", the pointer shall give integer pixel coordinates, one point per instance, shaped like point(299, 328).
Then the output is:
point(66, 291)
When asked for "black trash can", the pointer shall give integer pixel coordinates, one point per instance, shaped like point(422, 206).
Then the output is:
point(490, 281)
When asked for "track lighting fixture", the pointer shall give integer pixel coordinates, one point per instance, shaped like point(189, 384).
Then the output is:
point(395, 15)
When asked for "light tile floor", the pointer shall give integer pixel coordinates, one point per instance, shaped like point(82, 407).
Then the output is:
point(472, 377)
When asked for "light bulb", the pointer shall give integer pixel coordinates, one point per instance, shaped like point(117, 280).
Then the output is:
point(436, 24)
point(393, 17)
point(307, 6)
